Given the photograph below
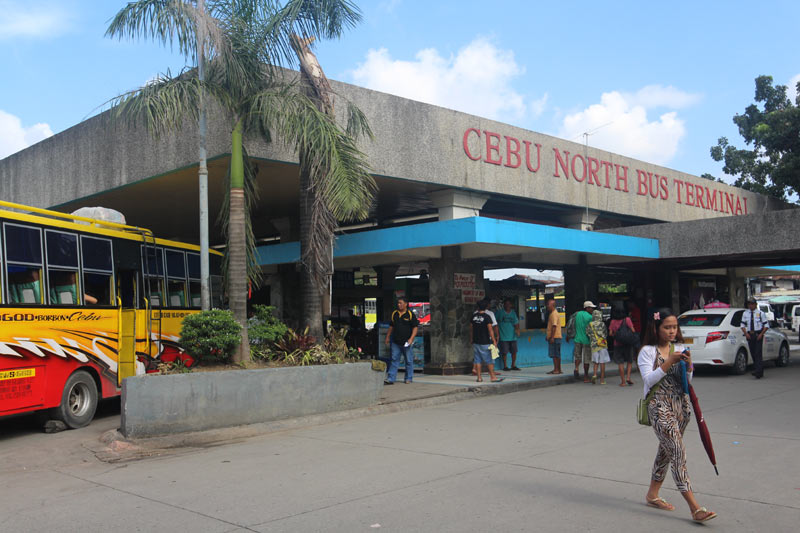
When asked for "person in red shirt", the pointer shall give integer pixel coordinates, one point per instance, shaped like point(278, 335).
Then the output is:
point(636, 315)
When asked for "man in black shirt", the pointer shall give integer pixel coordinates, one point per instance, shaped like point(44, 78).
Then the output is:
point(481, 336)
point(400, 338)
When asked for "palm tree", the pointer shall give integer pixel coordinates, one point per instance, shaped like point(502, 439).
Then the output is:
point(246, 39)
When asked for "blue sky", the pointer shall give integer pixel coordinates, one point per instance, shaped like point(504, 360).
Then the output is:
point(654, 81)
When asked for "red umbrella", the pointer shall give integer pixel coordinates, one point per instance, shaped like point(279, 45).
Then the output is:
point(702, 427)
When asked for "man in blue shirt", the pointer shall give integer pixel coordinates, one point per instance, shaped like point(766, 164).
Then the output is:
point(508, 325)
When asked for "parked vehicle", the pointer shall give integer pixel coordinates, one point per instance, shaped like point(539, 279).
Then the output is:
point(766, 308)
point(795, 317)
point(716, 339)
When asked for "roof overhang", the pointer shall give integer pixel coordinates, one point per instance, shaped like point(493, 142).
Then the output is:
point(478, 238)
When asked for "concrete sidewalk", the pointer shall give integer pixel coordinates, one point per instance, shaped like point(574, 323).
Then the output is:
point(429, 386)
point(426, 391)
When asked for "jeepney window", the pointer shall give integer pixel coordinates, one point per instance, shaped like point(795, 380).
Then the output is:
point(176, 278)
point(23, 252)
point(193, 267)
point(153, 271)
point(62, 268)
point(98, 275)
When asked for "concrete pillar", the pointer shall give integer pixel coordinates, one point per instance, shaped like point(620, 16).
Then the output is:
point(284, 227)
point(450, 316)
point(675, 291)
point(275, 282)
point(453, 203)
point(286, 303)
point(386, 275)
point(580, 284)
point(580, 219)
point(737, 290)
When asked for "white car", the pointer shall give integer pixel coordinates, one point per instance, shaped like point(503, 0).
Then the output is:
point(715, 337)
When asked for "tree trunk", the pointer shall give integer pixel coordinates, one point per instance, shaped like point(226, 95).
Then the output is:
point(237, 245)
point(310, 293)
point(316, 270)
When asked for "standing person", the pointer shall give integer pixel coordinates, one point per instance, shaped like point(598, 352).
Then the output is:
point(554, 336)
point(622, 353)
point(583, 348)
point(598, 338)
point(754, 326)
point(492, 316)
point(669, 409)
point(400, 337)
point(481, 336)
point(508, 326)
point(490, 313)
point(635, 313)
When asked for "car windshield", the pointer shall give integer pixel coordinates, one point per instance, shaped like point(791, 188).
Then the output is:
point(700, 320)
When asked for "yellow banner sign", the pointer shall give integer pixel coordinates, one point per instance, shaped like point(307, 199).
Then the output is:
point(17, 374)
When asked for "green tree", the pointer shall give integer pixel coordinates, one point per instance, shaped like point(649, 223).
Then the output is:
point(246, 39)
point(772, 127)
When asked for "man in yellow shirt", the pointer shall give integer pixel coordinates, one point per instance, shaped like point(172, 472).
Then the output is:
point(554, 336)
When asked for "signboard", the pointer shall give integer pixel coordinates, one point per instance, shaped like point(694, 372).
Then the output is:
point(472, 296)
point(463, 281)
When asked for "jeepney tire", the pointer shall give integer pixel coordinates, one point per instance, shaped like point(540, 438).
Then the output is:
point(78, 401)
point(740, 363)
point(783, 355)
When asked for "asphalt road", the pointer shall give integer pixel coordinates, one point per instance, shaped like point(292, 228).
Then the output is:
point(567, 458)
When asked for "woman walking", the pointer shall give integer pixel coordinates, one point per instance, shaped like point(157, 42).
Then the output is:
point(622, 353)
point(596, 330)
point(669, 408)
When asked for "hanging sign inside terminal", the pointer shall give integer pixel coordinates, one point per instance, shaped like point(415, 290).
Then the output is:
point(463, 281)
point(472, 296)
point(510, 152)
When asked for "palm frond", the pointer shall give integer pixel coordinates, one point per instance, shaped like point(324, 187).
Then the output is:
point(162, 105)
point(170, 22)
point(322, 19)
point(337, 167)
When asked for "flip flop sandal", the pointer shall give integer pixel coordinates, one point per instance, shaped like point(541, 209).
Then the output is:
point(662, 504)
point(707, 515)
point(630, 382)
point(577, 374)
point(594, 380)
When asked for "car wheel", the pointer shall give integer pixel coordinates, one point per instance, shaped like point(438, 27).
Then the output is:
point(783, 355)
point(740, 363)
point(78, 401)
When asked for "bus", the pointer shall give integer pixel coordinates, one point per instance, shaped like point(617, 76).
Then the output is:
point(84, 304)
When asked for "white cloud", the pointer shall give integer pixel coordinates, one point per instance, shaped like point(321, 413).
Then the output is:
point(14, 137)
point(792, 87)
point(37, 19)
point(619, 123)
point(477, 80)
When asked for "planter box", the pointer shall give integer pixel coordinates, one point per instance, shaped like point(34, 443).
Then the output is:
point(175, 403)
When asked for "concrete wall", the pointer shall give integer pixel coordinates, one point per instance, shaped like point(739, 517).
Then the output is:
point(775, 232)
point(175, 403)
point(413, 141)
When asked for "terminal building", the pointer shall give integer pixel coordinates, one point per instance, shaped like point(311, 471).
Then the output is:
point(457, 195)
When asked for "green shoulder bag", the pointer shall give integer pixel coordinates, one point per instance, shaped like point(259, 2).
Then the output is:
point(642, 416)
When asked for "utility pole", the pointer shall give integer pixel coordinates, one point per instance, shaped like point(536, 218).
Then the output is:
point(202, 173)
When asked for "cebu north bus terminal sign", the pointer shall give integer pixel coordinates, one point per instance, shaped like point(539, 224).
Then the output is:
point(509, 152)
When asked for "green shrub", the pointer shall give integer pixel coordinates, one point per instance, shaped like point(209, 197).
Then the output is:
point(211, 335)
point(264, 327)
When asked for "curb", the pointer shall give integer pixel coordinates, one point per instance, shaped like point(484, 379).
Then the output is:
point(120, 449)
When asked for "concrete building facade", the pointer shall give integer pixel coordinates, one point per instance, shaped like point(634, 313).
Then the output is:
point(457, 194)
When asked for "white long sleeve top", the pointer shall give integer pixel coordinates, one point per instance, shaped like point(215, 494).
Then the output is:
point(646, 362)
